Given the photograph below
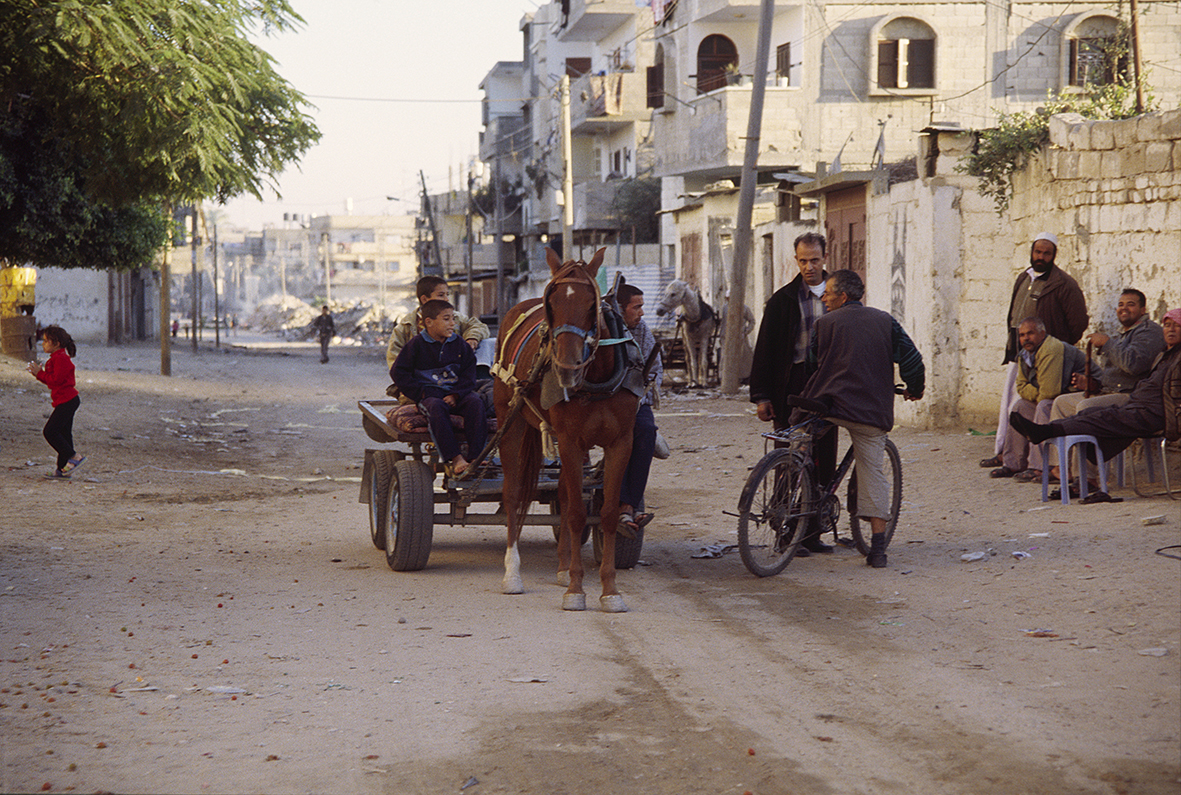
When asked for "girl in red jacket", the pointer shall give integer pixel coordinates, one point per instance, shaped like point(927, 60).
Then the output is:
point(58, 374)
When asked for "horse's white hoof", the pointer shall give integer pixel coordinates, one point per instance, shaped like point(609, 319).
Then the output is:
point(514, 585)
point(574, 601)
point(564, 578)
point(612, 603)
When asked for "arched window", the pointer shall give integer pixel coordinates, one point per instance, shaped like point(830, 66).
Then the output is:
point(905, 54)
point(713, 56)
point(1096, 51)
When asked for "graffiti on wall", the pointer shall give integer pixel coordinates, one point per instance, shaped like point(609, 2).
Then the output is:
point(898, 266)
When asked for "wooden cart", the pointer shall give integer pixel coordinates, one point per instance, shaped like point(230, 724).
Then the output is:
point(403, 485)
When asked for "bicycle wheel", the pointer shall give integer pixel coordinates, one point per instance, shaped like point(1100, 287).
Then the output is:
point(774, 512)
point(892, 466)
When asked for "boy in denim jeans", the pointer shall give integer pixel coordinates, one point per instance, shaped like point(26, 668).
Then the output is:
point(437, 370)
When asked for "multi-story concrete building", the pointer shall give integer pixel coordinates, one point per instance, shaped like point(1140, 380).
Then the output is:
point(853, 83)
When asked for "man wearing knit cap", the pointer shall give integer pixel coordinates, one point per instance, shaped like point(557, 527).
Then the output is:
point(1045, 291)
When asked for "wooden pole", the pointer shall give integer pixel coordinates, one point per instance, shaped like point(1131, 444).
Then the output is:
point(743, 234)
point(1137, 69)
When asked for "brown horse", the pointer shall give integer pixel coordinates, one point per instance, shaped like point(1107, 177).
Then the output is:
point(567, 343)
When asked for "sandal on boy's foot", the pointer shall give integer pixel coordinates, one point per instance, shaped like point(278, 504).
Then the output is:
point(57, 474)
point(642, 520)
point(995, 461)
point(73, 463)
point(627, 525)
point(1003, 472)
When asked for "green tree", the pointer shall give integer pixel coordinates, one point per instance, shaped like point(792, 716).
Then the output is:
point(635, 205)
point(1005, 149)
point(163, 99)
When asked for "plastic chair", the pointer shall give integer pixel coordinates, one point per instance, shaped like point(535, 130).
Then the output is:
point(1158, 443)
point(1064, 444)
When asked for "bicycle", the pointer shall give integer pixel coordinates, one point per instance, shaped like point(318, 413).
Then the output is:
point(781, 501)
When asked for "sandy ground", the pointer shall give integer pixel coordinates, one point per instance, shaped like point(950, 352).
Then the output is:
point(201, 610)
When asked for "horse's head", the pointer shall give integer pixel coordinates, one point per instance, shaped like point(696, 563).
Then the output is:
point(674, 296)
point(572, 309)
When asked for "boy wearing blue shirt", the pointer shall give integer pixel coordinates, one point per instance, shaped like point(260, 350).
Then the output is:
point(437, 370)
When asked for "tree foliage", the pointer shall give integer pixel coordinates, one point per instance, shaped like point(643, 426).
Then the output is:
point(635, 204)
point(1005, 149)
point(136, 102)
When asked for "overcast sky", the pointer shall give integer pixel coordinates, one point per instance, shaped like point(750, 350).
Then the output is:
point(347, 58)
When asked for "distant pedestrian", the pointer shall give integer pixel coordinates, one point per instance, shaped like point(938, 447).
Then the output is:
point(58, 374)
point(327, 329)
point(175, 327)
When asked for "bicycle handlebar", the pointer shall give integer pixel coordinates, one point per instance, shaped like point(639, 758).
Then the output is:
point(822, 407)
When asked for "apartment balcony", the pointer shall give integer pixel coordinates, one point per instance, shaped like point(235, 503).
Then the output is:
point(592, 20)
point(705, 137)
point(600, 102)
point(504, 136)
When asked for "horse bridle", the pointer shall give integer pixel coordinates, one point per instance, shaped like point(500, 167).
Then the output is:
point(574, 273)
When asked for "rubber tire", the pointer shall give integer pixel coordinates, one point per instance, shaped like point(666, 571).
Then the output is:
point(758, 541)
point(627, 550)
point(381, 474)
point(862, 540)
point(410, 517)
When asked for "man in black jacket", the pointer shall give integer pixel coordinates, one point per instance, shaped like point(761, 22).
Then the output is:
point(779, 367)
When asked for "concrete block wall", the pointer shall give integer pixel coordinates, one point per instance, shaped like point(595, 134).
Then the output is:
point(1111, 191)
point(1118, 225)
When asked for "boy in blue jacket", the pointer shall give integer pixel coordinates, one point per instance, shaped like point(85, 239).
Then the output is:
point(437, 370)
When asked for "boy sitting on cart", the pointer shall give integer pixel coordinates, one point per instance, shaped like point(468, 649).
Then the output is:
point(437, 370)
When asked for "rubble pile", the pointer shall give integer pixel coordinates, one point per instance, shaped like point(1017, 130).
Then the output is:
point(358, 323)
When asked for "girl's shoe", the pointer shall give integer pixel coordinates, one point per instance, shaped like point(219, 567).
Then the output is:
point(73, 463)
point(58, 474)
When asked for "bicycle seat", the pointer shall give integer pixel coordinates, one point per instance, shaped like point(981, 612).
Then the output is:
point(807, 404)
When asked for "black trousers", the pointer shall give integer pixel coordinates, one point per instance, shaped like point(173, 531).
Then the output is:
point(59, 430)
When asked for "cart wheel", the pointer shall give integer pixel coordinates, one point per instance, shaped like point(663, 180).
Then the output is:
point(556, 510)
point(380, 475)
point(410, 518)
point(627, 550)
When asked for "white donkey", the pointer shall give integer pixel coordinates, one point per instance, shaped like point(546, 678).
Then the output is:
point(696, 326)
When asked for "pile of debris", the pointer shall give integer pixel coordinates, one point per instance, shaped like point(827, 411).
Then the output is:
point(359, 323)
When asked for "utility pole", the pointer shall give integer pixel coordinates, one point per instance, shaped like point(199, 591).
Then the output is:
point(430, 216)
point(326, 247)
point(743, 234)
point(567, 175)
point(497, 186)
point(216, 303)
point(193, 258)
point(166, 296)
point(471, 290)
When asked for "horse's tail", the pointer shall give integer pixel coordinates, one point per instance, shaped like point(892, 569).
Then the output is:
point(530, 469)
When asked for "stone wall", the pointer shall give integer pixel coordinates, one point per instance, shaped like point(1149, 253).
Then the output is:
point(944, 262)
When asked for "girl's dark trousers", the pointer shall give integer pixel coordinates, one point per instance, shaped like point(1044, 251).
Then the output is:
point(59, 430)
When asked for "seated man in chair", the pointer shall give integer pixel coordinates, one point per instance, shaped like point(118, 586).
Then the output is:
point(1151, 408)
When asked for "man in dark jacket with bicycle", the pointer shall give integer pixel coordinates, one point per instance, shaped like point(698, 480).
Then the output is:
point(855, 348)
point(780, 368)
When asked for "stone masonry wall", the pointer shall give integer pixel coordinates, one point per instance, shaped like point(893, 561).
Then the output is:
point(944, 262)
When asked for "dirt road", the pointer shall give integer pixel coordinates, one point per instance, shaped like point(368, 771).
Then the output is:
point(201, 610)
